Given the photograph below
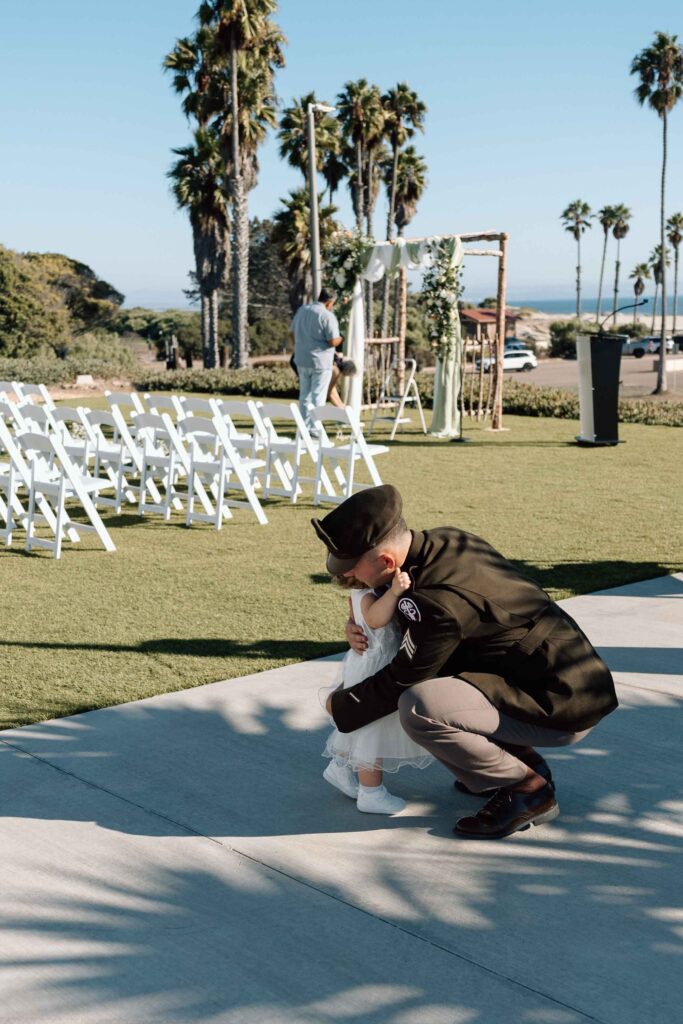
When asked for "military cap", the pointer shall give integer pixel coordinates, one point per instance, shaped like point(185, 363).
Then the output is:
point(357, 525)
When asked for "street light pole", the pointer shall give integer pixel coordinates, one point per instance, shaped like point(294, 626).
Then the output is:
point(316, 270)
point(313, 190)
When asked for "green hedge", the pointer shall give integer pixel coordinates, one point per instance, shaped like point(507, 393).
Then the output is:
point(518, 398)
point(59, 371)
point(275, 382)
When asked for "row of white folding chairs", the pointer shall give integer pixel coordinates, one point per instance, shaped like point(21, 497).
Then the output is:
point(17, 391)
point(277, 430)
point(37, 469)
point(104, 438)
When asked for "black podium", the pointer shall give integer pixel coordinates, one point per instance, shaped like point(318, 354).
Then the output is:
point(599, 357)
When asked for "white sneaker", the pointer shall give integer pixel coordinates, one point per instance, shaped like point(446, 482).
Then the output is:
point(380, 801)
point(342, 777)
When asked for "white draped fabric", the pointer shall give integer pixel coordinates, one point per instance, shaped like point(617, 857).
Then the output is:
point(388, 258)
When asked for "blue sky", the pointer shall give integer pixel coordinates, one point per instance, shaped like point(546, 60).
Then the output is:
point(530, 106)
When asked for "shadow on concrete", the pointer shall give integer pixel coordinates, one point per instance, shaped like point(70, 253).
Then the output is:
point(590, 899)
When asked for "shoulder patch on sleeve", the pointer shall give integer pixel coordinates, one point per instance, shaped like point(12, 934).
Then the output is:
point(407, 607)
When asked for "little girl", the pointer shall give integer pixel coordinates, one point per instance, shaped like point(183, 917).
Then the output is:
point(382, 744)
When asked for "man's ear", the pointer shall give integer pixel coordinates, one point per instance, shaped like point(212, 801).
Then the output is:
point(388, 561)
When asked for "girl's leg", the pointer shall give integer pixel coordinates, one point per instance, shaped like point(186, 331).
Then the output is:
point(370, 777)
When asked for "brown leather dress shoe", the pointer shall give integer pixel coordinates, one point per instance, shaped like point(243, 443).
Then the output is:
point(509, 811)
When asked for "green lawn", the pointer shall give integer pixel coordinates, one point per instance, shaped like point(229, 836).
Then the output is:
point(175, 608)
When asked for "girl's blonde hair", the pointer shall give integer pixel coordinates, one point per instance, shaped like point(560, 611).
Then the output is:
point(347, 582)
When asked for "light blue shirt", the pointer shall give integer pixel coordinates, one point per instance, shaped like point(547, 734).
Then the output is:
point(313, 327)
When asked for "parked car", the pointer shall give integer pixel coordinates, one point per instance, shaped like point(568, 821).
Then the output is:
point(522, 360)
point(640, 347)
point(512, 345)
point(678, 341)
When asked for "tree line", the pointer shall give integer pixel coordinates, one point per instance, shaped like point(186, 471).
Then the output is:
point(225, 74)
point(659, 71)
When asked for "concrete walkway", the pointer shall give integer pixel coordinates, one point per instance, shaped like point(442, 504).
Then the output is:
point(181, 859)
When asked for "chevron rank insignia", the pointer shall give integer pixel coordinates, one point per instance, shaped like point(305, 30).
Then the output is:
point(408, 645)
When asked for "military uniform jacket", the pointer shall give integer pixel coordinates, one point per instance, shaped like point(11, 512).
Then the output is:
point(470, 613)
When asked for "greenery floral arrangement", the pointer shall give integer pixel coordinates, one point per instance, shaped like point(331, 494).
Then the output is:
point(346, 257)
point(441, 289)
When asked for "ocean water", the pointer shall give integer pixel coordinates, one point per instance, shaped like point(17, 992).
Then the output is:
point(568, 306)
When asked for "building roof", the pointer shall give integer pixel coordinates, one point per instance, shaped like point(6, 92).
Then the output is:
point(486, 316)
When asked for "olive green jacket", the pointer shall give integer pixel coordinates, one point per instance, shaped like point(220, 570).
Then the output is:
point(470, 613)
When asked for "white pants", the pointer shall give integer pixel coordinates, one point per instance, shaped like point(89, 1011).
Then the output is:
point(313, 388)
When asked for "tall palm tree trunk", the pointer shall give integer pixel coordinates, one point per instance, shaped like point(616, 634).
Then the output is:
point(213, 307)
point(368, 228)
point(390, 224)
point(675, 288)
point(359, 186)
point(578, 277)
point(206, 330)
point(616, 282)
point(661, 372)
point(654, 308)
point(240, 250)
point(602, 274)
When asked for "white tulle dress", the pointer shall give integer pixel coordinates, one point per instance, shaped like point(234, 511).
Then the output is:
point(381, 744)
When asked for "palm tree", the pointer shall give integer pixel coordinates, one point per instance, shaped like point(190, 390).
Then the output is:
point(248, 44)
point(606, 218)
point(411, 181)
point(292, 235)
point(674, 227)
point(193, 187)
point(403, 115)
point(576, 219)
point(660, 69)
point(658, 266)
point(197, 178)
point(359, 108)
point(293, 138)
point(639, 275)
point(622, 215)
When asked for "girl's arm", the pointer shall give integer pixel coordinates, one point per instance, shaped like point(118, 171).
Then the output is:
point(379, 611)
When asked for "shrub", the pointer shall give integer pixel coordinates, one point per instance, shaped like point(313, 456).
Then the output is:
point(563, 337)
point(639, 330)
point(51, 371)
point(276, 382)
point(528, 400)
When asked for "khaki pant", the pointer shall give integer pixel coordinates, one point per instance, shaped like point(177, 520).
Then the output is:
point(455, 722)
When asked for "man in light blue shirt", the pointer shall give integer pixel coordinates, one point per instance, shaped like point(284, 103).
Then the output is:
point(316, 334)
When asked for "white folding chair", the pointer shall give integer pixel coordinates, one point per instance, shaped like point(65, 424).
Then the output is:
point(55, 479)
point(285, 452)
point(21, 473)
point(10, 413)
point(36, 417)
point(109, 457)
point(29, 392)
point(346, 455)
point(164, 457)
point(388, 399)
point(128, 404)
point(9, 389)
point(222, 470)
point(172, 404)
point(69, 427)
point(255, 438)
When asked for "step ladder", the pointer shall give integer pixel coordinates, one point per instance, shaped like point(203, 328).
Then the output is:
point(388, 400)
